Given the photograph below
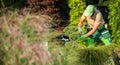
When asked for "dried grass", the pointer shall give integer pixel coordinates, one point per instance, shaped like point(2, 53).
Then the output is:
point(15, 40)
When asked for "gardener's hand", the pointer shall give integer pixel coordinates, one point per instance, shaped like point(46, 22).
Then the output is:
point(80, 30)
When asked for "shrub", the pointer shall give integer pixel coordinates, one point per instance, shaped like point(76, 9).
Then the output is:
point(93, 56)
point(77, 7)
point(76, 10)
point(24, 39)
point(114, 20)
point(58, 9)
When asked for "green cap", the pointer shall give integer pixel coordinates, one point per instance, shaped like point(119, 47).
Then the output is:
point(89, 10)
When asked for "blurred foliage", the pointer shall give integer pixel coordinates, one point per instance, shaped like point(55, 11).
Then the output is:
point(76, 10)
point(58, 9)
point(12, 3)
point(78, 6)
point(93, 56)
point(89, 56)
point(23, 39)
point(19, 35)
point(17, 31)
point(114, 20)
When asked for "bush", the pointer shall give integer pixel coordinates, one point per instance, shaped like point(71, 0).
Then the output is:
point(114, 20)
point(20, 35)
point(76, 10)
point(87, 55)
point(58, 9)
point(93, 56)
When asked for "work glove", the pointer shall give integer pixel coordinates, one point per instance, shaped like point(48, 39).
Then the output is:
point(82, 37)
point(80, 30)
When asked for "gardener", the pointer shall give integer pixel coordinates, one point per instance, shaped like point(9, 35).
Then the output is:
point(95, 27)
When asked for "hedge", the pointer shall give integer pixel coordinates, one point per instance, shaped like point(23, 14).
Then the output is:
point(77, 7)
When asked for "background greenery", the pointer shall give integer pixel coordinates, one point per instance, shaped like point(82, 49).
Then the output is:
point(24, 30)
point(77, 7)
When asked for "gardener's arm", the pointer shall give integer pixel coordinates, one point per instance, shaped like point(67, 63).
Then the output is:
point(81, 20)
point(96, 24)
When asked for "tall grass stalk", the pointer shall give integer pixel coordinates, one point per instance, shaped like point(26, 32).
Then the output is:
point(21, 41)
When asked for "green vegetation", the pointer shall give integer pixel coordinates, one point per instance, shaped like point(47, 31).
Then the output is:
point(77, 8)
point(27, 38)
point(114, 20)
point(21, 38)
